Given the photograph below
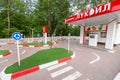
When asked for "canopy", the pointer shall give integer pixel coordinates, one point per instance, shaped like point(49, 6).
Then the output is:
point(101, 14)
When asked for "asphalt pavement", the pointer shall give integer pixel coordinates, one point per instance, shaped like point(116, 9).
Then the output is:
point(89, 63)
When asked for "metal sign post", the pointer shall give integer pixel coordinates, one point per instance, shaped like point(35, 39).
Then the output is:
point(68, 42)
point(18, 52)
point(17, 36)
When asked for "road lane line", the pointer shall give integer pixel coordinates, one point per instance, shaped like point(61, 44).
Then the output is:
point(111, 51)
point(97, 59)
point(117, 77)
point(16, 48)
point(56, 66)
point(23, 52)
point(57, 73)
point(78, 48)
point(73, 76)
point(4, 61)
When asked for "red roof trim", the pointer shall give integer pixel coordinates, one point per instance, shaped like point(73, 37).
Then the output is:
point(98, 10)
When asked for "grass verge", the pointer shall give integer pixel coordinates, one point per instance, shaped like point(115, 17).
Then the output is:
point(3, 52)
point(41, 57)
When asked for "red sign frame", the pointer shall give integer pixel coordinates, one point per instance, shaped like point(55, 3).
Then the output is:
point(44, 29)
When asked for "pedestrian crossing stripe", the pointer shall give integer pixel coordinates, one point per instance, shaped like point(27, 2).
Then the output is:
point(56, 66)
point(57, 73)
point(73, 76)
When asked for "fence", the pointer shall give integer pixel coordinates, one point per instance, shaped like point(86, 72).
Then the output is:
point(35, 39)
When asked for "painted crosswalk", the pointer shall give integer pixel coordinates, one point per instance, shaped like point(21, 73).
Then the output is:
point(61, 69)
point(57, 73)
point(56, 66)
point(73, 76)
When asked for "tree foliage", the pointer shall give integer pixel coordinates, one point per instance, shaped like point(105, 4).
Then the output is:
point(25, 15)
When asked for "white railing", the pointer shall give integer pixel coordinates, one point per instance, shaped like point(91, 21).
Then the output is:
point(7, 40)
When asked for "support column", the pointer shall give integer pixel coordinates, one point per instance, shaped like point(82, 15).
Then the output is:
point(117, 36)
point(110, 35)
point(82, 35)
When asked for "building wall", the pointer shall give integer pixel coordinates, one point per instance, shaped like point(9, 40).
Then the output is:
point(112, 36)
point(101, 39)
point(117, 35)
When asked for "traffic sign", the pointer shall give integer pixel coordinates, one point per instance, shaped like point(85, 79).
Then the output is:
point(16, 36)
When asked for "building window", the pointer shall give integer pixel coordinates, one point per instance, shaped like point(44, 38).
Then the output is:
point(103, 34)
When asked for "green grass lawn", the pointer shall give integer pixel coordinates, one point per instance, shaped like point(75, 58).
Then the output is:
point(3, 51)
point(41, 57)
point(37, 43)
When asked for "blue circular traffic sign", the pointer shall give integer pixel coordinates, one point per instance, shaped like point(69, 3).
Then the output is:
point(16, 36)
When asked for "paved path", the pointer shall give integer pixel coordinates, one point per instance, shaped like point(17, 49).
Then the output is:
point(89, 64)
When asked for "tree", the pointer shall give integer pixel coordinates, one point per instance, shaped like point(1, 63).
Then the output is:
point(10, 9)
point(53, 14)
point(8, 13)
point(26, 14)
point(82, 5)
point(7, 31)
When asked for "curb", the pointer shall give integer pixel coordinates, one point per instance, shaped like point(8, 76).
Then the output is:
point(33, 69)
point(6, 54)
point(11, 43)
point(50, 45)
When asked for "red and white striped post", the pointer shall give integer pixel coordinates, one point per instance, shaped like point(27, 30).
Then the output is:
point(45, 34)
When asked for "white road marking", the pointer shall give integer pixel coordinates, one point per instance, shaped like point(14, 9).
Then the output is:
point(111, 51)
point(88, 79)
point(4, 61)
point(57, 73)
point(117, 77)
point(78, 48)
point(23, 52)
point(73, 76)
point(97, 59)
point(48, 64)
point(56, 66)
point(19, 48)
